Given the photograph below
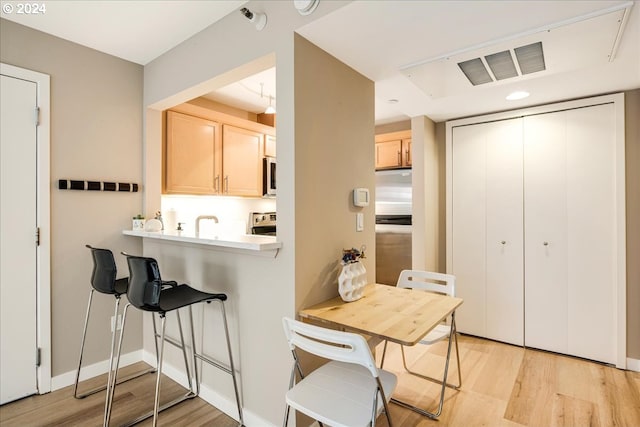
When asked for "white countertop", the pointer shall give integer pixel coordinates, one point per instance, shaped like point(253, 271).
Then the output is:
point(249, 242)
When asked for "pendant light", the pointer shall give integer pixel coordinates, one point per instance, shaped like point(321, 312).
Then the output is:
point(270, 109)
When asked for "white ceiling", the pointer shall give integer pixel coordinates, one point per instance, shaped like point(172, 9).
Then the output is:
point(410, 49)
point(138, 31)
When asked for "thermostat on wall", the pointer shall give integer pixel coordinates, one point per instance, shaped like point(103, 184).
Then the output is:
point(361, 197)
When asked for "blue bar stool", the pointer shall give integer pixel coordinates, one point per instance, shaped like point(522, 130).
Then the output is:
point(146, 293)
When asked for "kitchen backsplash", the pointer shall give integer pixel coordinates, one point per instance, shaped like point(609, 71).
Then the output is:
point(232, 212)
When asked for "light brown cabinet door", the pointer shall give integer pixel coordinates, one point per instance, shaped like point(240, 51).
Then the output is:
point(389, 154)
point(270, 146)
point(242, 161)
point(393, 150)
point(193, 161)
point(406, 152)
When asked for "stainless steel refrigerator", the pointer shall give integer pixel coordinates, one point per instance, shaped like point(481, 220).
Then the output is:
point(393, 224)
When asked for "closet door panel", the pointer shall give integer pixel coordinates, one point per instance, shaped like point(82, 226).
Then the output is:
point(545, 230)
point(469, 231)
point(591, 232)
point(504, 222)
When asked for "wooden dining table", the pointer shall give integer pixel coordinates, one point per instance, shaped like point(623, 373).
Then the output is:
point(389, 313)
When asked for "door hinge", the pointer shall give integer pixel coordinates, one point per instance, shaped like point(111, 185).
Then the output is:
point(37, 236)
point(38, 356)
point(37, 111)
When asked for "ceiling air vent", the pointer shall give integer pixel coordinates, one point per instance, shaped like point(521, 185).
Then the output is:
point(530, 59)
point(502, 65)
point(475, 71)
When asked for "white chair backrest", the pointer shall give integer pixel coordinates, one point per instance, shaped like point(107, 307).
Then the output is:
point(330, 344)
point(428, 281)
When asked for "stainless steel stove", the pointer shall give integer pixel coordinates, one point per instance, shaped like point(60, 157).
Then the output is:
point(263, 223)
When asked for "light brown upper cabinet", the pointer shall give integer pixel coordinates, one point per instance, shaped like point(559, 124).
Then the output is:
point(393, 150)
point(193, 155)
point(242, 161)
point(208, 152)
point(270, 146)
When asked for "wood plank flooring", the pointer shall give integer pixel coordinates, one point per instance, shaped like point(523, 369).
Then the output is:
point(503, 385)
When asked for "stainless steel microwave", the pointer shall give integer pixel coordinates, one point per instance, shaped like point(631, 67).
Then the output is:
point(269, 176)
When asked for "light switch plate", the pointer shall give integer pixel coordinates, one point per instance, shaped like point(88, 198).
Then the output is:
point(359, 221)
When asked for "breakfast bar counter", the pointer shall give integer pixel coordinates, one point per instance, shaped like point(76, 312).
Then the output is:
point(248, 269)
point(248, 243)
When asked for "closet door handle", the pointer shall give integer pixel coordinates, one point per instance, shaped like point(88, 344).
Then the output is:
point(545, 243)
point(503, 242)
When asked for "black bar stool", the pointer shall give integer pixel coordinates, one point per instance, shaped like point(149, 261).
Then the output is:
point(103, 280)
point(146, 293)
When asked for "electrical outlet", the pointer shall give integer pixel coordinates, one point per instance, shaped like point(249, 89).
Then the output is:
point(113, 322)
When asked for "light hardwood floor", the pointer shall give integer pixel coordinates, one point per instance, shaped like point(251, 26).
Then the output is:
point(503, 386)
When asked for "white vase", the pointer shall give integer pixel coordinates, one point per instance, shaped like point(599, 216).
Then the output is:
point(351, 281)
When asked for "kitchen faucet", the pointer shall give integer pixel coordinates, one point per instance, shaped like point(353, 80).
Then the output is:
point(201, 217)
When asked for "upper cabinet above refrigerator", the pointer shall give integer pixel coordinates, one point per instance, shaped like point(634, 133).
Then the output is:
point(393, 150)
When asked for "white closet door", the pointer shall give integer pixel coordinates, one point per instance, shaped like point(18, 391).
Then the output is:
point(487, 229)
point(570, 234)
point(545, 202)
point(469, 230)
point(591, 231)
point(504, 222)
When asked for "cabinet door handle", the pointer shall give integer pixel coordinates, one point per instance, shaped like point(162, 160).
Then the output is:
point(216, 184)
point(408, 156)
point(226, 184)
point(399, 158)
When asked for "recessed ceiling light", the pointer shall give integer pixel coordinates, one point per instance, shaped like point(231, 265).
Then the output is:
point(519, 94)
point(306, 7)
point(392, 101)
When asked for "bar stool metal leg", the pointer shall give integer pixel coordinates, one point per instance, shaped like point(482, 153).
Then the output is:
point(231, 370)
point(84, 337)
point(156, 402)
point(157, 408)
point(113, 346)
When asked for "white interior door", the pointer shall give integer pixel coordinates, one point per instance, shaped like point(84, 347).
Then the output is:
point(591, 233)
point(18, 251)
point(545, 203)
point(570, 234)
point(469, 226)
point(504, 217)
point(487, 229)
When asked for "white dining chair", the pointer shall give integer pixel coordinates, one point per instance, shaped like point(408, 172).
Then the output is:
point(349, 390)
point(443, 284)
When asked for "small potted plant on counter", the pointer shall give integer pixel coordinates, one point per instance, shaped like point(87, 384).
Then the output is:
point(138, 223)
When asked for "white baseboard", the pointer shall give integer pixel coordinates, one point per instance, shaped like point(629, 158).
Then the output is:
point(633, 364)
point(90, 371)
point(209, 395)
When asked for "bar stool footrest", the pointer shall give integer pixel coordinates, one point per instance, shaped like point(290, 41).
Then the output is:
point(213, 363)
point(189, 395)
point(123, 380)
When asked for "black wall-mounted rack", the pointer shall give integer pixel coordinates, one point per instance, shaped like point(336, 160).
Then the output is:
point(71, 184)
